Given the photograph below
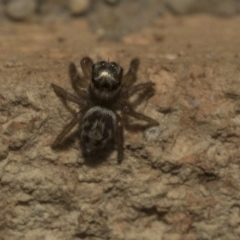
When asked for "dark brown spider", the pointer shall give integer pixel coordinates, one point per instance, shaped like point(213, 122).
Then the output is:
point(107, 93)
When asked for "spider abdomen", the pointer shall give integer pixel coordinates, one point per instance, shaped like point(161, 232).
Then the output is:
point(97, 128)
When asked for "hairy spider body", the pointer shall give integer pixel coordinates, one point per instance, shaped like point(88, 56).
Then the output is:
point(107, 94)
point(97, 128)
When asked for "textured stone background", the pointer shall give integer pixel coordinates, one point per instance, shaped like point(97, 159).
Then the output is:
point(178, 181)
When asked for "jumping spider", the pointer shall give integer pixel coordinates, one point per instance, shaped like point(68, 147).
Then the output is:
point(107, 93)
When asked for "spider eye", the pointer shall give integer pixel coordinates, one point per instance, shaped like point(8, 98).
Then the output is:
point(102, 63)
point(113, 64)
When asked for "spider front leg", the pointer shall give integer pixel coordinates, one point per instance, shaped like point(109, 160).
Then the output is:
point(131, 76)
point(140, 87)
point(119, 129)
point(126, 109)
point(87, 65)
point(77, 83)
point(63, 94)
point(66, 130)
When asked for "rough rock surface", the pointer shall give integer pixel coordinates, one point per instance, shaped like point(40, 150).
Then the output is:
point(180, 180)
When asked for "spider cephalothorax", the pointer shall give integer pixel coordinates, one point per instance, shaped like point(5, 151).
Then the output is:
point(108, 92)
point(106, 80)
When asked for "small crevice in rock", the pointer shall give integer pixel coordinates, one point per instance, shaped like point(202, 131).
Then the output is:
point(166, 110)
point(167, 167)
point(23, 203)
point(83, 235)
point(153, 211)
point(207, 177)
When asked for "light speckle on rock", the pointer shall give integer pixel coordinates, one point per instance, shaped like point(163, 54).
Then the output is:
point(152, 134)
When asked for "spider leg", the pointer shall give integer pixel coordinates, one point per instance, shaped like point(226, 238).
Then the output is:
point(87, 64)
point(119, 127)
point(66, 130)
point(131, 76)
point(60, 92)
point(128, 110)
point(77, 83)
point(140, 87)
